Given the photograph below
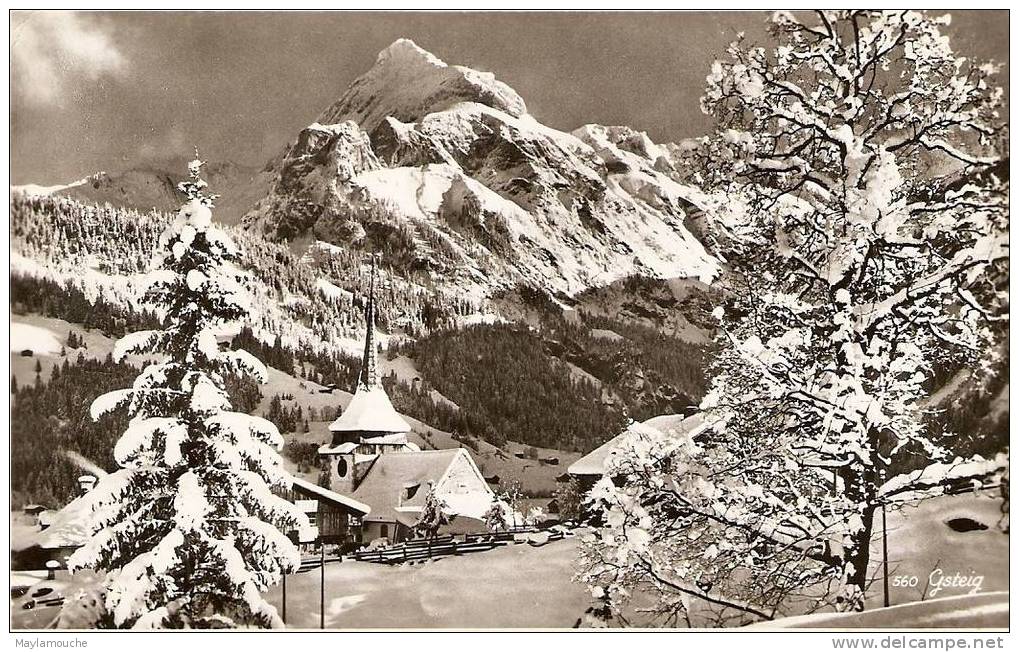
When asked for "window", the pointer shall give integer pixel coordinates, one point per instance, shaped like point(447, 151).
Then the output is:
point(341, 468)
point(384, 531)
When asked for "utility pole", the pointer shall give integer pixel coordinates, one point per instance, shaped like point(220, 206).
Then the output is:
point(884, 551)
point(322, 585)
point(284, 598)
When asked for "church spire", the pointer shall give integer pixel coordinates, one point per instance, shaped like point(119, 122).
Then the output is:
point(368, 378)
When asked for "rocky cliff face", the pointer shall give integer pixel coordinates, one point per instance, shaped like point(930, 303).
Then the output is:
point(443, 170)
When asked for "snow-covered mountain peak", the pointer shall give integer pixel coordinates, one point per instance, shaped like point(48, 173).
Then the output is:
point(408, 82)
point(403, 50)
point(441, 169)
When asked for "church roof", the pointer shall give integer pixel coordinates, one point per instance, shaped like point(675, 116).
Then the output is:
point(368, 377)
point(392, 473)
point(370, 411)
point(594, 462)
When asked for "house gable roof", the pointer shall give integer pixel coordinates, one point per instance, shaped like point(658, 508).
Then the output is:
point(70, 527)
point(594, 462)
point(312, 490)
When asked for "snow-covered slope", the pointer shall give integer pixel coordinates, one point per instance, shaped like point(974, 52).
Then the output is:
point(36, 190)
point(153, 185)
point(442, 168)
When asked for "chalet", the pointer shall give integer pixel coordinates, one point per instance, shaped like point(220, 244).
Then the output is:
point(370, 459)
point(593, 466)
point(33, 510)
point(61, 532)
point(333, 518)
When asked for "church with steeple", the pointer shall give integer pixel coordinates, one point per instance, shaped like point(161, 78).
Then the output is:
point(369, 426)
point(370, 458)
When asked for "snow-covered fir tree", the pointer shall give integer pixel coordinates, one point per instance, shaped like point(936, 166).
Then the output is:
point(189, 530)
point(863, 229)
point(434, 514)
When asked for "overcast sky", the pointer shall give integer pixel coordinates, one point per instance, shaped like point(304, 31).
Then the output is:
point(106, 91)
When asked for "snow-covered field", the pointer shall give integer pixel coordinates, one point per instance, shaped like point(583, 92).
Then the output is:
point(921, 543)
point(514, 586)
point(962, 611)
point(47, 330)
point(33, 338)
point(525, 586)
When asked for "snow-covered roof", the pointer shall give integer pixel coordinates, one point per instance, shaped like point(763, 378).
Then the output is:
point(392, 473)
point(342, 449)
point(347, 447)
point(392, 438)
point(321, 493)
point(70, 527)
point(594, 462)
point(679, 423)
point(370, 411)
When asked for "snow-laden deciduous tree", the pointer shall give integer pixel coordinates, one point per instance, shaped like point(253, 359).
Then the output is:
point(861, 218)
point(189, 529)
point(495, 517)
point(568, 496)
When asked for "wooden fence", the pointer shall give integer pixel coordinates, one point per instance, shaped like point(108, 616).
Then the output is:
point(444, 546)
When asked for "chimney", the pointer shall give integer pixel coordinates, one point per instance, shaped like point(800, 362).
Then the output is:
point(86, 483)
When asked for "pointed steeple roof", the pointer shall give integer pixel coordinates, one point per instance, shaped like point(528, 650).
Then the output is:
point(370, 411)
point(369, 377)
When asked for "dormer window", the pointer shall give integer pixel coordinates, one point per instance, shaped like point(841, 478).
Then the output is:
point(410, 490)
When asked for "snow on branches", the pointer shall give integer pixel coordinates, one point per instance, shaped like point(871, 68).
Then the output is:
point(434, 514)
point(189, 529)
point(857, 204)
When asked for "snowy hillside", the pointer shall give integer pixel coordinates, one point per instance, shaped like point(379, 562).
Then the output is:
point(153, 185)
point(315, 300)
point(442, 166)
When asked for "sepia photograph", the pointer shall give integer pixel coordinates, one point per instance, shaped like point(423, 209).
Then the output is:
point(510, 320)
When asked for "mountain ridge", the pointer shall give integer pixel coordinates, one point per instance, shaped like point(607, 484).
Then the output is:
point(443, 165)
